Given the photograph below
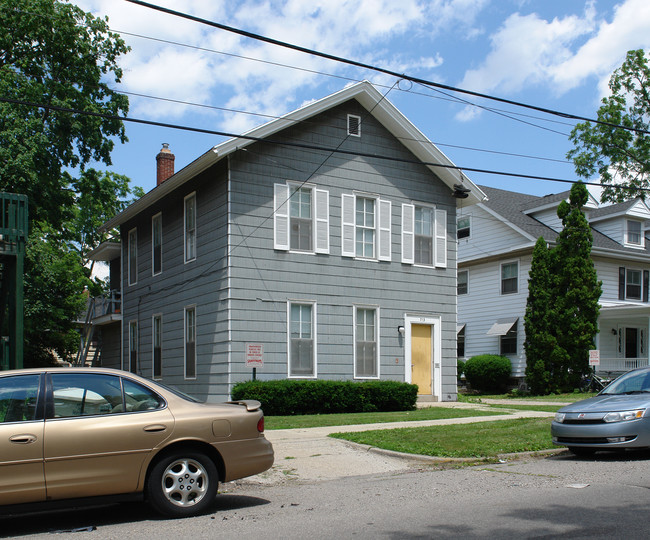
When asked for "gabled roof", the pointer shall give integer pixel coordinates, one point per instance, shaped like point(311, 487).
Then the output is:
point(514, 208)
point(368, 96)
point(632, 208)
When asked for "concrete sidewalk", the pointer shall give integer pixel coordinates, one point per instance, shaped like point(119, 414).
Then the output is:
point(309, 454)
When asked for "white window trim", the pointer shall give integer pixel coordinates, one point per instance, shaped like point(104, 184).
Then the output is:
point(469, 227)
point(153, 270)
point(128, 256)
point(627, 281)
point(464, 271)
point(314, 326)
point(185, 231)
point(439, 236)
point(383, 227)
point(641, 243)
point(357, 307)
point(358, 118)
point(196, 363)
point(153, 346)
point(501, 293)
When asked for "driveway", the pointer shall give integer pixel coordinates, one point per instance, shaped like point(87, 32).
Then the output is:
point(309, 454)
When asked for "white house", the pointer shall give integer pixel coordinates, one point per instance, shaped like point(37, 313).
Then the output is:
point(495, 244)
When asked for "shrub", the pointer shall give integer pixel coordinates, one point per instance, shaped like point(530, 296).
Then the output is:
point(488, 372)
point(290, 397)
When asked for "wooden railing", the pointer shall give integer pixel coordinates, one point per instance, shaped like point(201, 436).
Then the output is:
point(620, 365)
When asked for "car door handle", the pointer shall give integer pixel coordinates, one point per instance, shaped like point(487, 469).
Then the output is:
point(23, 439)
point(155, 428)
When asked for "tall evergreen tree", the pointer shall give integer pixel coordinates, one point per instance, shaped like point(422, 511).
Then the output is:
point(562, 310)
point(577, 289)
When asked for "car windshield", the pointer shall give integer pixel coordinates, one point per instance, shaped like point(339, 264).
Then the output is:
point(634, 382)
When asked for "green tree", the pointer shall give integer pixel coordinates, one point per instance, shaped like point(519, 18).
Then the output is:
point(55, 55)
point(562, 310)
point(617, 155)
point(576, 289)
point(538, 321)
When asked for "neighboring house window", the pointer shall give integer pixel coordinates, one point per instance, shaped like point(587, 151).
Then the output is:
point(463, 281)
point(463, 227)
point(509, 278)
point(301, 218)
point(354, 125)
point(302, 340)
point(190, 343)
point(157, 346)
point(133, 346)
point(366, 364)
point(366, 227)
point(416, 236)
point(633, 284)
point(508, 342)
point(633, 235)
point(460, 342)
point(423, 235)
point(133, 256)
point(190, 227)
point(156, 244)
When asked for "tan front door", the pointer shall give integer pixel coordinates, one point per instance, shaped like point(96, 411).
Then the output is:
point(421, 357)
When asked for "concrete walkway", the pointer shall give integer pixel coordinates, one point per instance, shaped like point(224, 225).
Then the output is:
point(309, 454)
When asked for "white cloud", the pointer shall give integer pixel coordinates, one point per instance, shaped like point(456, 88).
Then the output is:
point(559, 54)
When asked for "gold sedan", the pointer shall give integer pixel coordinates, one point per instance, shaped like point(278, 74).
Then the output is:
point(85, 432)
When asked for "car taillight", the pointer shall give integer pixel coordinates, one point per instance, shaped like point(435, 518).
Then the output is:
point(260, 425)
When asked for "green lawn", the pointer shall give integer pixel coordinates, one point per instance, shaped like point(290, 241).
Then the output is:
point(322, 420)
point(479, 440)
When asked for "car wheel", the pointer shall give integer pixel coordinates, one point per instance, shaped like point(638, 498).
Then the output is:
point(182, 484)
point(581, 451)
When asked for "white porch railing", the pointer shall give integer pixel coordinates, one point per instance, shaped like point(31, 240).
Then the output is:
point(620, 365)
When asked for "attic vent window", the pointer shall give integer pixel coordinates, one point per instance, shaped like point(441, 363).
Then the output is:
point(354, 125)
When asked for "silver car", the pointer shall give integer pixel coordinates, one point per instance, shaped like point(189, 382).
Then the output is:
point(615, 419)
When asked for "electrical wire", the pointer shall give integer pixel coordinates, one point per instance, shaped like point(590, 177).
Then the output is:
point(385, 71)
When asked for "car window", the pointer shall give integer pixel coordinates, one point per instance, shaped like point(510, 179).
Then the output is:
point(140, 398)
point(86, 394)
point(635, 381)
point(18, 396)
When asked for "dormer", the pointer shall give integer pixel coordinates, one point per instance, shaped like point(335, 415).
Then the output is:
point(623, 222)
point(544, 209)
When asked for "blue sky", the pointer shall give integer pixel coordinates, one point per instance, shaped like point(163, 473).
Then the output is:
point(556, 54)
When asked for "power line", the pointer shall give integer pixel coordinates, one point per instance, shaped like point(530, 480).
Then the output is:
point(296, 144)
point(385, 71)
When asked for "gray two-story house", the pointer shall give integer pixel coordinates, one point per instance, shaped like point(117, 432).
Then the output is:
point(321, 245)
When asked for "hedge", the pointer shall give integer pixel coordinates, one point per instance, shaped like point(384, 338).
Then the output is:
point(488, 372)
point(292, 397)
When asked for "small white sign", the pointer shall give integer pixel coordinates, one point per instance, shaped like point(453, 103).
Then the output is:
point(254, 355)
point(594, 357)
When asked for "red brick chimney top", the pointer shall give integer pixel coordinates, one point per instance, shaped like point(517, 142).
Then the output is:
point(164, 164)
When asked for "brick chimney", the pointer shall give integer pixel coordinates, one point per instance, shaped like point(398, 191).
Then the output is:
point(164, 164)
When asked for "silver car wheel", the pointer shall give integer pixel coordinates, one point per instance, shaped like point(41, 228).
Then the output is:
point(185, 482)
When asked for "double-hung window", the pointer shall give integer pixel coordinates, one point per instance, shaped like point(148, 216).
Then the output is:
point(156, 244)
point(300, 218)
point(509, 278)
point(463, 281)
point(190, 342)
point(133, 256)
point(157, 346)
point(190, 227)
point(366, 227)
point(463, 227)
point(302, 339)
point(633, 284)
point(366, 343)
point(424, 235)
point(508, 341)
point(633, 233)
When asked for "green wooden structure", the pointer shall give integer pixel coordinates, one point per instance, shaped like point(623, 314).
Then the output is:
point(13, 237)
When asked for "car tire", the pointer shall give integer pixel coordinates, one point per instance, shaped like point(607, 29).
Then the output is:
point(182, 484)
point(581, 451)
